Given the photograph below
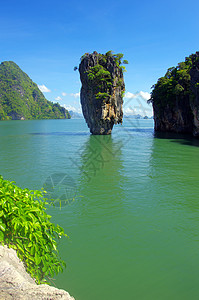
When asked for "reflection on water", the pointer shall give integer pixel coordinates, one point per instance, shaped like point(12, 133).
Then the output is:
point(184, 139)
point(175, 169)
point(101, 174)
point(60, 133)
point(100, 154)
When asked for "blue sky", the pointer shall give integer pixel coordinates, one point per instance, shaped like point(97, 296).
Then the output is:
point(47, 38)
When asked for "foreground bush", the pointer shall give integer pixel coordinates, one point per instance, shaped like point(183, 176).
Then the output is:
point(26, 227)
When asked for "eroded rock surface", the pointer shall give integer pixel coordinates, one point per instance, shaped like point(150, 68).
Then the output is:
point(15, 283)
point(194, 103)
point(102, 92)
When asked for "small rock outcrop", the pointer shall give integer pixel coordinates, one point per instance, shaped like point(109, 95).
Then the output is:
point(102, 91)
point(175, 98)
point(15, 283)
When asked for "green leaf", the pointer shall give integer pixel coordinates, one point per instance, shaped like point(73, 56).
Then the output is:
point(37, 259)
point(1, 236)
point(45, 267)
point(2, 226)
point(32, 250)
point(26, 227)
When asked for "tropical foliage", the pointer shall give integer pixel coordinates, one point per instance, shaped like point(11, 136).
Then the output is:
point(175, 85)
point(26, 227)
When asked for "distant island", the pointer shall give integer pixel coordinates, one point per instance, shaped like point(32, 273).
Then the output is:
point(21, 99)
point(138, 116)
point(175, 98)
point(75, 115)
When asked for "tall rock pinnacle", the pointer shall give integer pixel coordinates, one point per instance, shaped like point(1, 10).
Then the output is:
point(102, 91)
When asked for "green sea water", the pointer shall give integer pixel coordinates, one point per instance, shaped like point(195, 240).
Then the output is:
point(134, 223)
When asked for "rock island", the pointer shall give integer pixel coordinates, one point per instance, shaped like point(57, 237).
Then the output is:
point(102, 90)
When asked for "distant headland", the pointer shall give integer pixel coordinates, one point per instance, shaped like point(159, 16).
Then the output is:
point(21, 99)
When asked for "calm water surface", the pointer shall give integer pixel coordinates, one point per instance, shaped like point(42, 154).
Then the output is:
point(134, 224)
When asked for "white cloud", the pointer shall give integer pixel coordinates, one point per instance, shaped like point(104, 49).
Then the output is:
point(63, 94)
point(137, 104)
point(58, 98)
point(143, 111)
point(143, 95)
point(75, 95)
point(130, 111)
point(129, 95)
point(44, 89)
point(75, 109)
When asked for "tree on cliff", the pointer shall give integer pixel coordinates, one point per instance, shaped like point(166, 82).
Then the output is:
point(175, 84)
point(175, 98)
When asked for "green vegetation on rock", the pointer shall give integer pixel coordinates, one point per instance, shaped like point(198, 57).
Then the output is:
point(175, 98)
point(20, 97)
point(102, 95)
point(175, 85)
point(26, 227)
point(99, 75)
point(99, 72)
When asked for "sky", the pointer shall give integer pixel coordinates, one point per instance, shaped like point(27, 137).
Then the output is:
point(47, 38)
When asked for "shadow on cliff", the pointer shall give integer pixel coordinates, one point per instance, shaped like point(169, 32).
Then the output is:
point(60, 133)
point(183, 139)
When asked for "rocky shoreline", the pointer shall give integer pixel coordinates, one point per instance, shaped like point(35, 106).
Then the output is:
point(16, 283)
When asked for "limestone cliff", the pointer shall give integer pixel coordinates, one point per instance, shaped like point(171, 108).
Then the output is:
point(15, 283)
point(102, 91)
point(175, 98)
point(194, 103)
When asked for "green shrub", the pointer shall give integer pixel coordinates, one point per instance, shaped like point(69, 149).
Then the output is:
point(119, 82)
point(26, 227)
point(98, 75)
point(102, 96)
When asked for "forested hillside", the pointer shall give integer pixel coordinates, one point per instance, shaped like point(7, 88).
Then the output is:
point(20, 97)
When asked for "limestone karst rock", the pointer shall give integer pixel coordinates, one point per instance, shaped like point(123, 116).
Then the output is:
point(175, 98)
point(102, 91)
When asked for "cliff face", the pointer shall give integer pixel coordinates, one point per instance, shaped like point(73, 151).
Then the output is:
point(102, 92)
point(20, 97)
point(174, 118)
point(194, 101)
point(175, 98)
